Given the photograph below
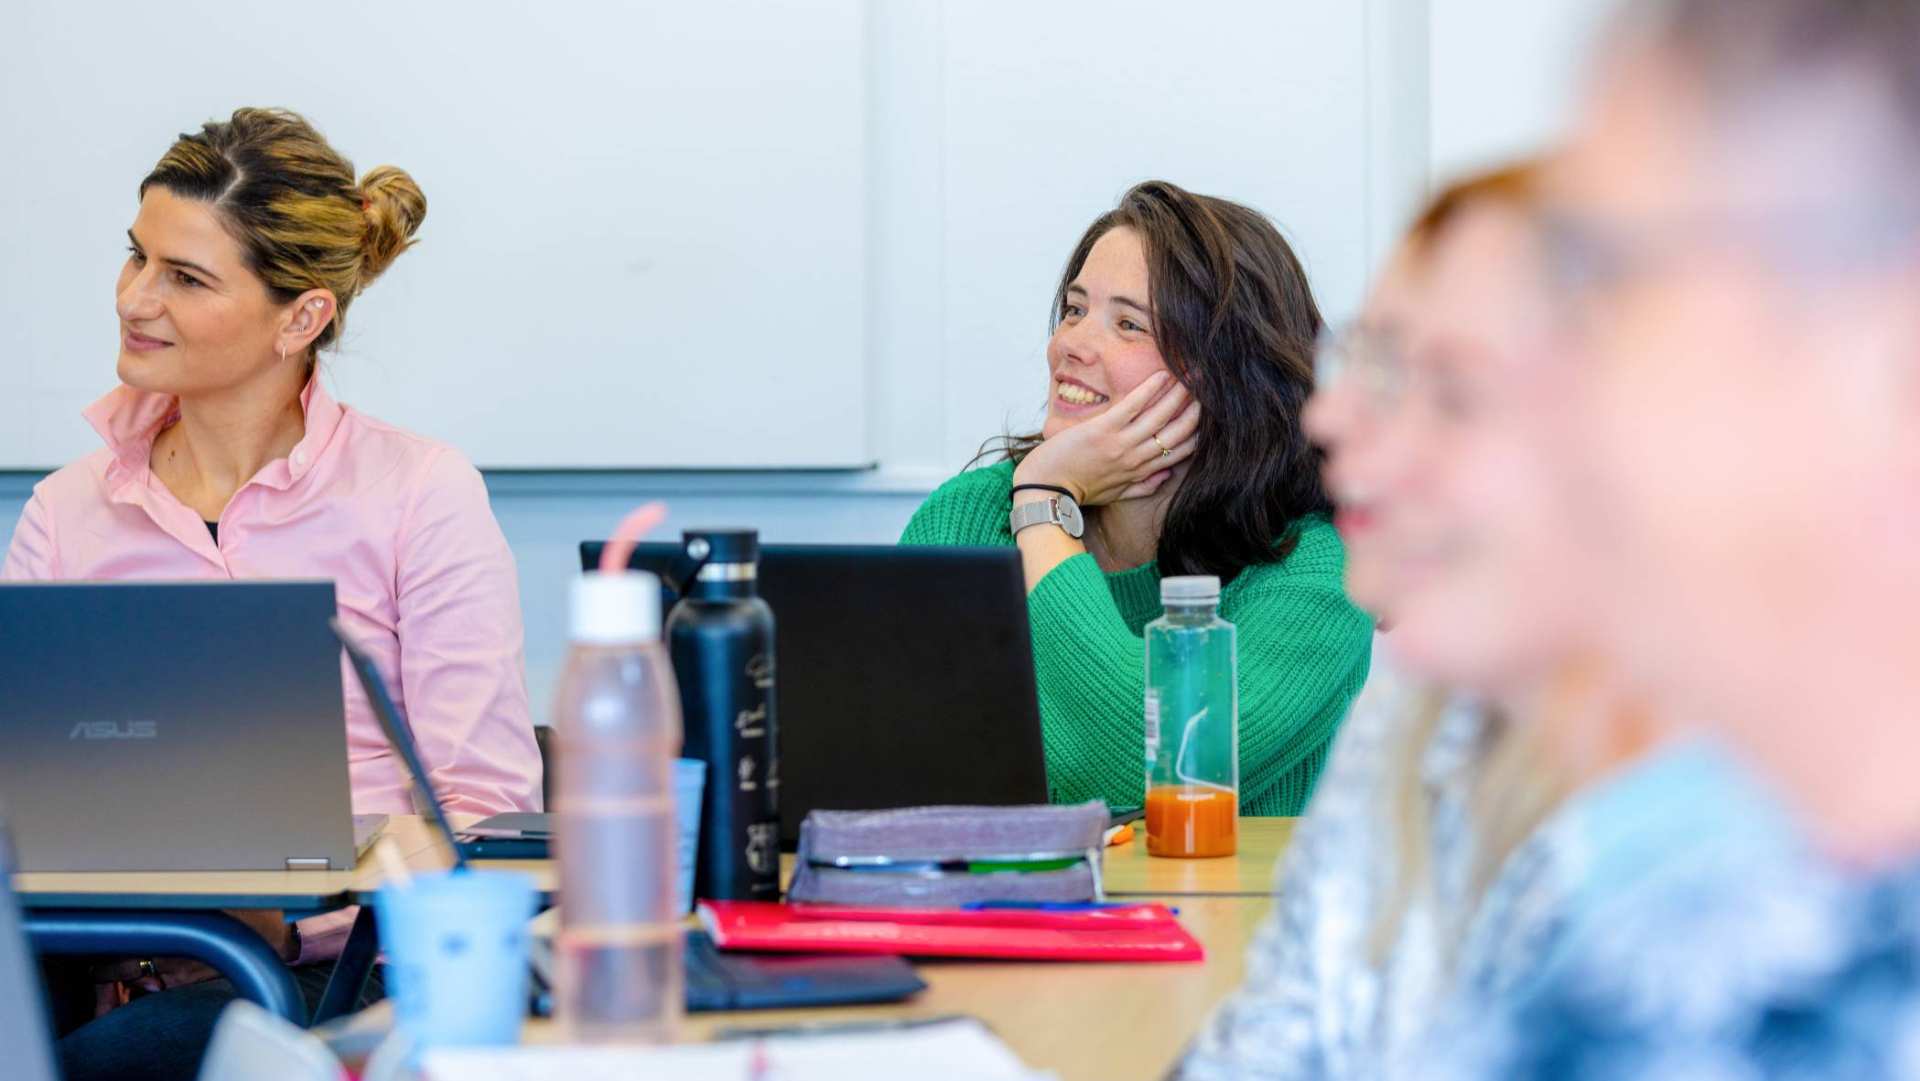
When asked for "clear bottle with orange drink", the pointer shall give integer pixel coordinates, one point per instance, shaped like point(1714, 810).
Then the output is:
point(1192, 723)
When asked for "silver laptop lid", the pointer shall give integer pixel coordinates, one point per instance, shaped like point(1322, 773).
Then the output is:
point(173, 726)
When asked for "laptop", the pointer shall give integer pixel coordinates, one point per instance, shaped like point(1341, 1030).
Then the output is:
point(714, 981)
point(905, 675)
point(175, 726)
point(513, 835)
point(25, 1035)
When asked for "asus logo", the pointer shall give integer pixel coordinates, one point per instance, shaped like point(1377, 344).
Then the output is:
point(113, 730)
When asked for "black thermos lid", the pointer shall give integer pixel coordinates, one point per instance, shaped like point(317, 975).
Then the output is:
point(724, 545)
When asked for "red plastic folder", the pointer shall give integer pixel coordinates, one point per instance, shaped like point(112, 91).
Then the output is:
point(1132, 933)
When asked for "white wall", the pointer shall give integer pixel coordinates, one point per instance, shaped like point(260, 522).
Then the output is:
point(1504, 75)
point(1000, 128)
point(956, 318)
point(633, 208)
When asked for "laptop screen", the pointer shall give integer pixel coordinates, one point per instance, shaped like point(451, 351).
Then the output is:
point(905, 678)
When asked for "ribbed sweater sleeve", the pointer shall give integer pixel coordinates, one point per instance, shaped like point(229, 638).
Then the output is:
point(1303, 655)
point(1091, 673)
point(970, 510)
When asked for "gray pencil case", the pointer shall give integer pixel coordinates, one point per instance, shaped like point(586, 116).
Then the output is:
point(936, 857)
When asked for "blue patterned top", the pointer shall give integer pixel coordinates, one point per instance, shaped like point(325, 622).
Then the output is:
point(1319, 1000)
point(1741, 955)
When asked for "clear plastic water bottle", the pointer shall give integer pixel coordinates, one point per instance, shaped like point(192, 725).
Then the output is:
point(617, 958)
point(1193, 723)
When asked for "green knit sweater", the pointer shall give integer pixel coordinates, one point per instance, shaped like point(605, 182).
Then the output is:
point(1303, 648)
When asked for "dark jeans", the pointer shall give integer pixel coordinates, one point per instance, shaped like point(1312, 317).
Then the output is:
point(160, 1036)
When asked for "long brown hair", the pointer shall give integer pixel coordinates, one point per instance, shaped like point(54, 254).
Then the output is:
point(1236, 322)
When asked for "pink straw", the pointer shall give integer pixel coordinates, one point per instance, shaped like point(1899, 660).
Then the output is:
point(613, 558)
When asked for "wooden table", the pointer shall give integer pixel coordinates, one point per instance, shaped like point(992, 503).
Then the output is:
point(1084, 1022)
point(183, 914)
point(297, 891)
point(1129, 871)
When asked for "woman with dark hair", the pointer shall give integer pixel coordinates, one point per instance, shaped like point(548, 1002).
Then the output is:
point(1181, 356)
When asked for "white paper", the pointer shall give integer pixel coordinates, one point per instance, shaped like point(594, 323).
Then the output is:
point(956, 1051)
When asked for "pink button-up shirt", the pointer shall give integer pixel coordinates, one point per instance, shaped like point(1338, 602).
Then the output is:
point(422, 574)
point(401, 525)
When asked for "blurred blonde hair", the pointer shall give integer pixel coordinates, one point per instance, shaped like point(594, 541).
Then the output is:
point(292, 203)
point(1518, 782)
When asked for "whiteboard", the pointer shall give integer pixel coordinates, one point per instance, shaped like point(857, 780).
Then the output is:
point(645, 242)
point(1048, 112)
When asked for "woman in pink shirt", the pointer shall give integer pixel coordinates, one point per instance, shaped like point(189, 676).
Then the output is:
point(226, 458)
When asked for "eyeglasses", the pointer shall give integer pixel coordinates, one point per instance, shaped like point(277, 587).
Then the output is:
point(1585, 256)
point(1371, 356)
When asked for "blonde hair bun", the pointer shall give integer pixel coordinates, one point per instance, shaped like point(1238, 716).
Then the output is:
point(394, 207)
point(289, 198)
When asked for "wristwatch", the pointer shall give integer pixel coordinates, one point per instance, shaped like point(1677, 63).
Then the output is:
point(1058, 510)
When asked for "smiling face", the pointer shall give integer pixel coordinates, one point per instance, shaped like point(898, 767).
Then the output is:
point(194, 320)
point(1103, 346)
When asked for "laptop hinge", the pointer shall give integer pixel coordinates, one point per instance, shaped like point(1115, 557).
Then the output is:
point(309, 863)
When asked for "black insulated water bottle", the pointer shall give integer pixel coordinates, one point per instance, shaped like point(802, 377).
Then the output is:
point(720, 637)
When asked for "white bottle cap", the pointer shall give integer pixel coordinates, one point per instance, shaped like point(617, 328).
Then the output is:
point(616, 609)
point(1190, 589)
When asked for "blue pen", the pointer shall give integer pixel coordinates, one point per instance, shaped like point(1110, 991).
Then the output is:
point(1050, 906)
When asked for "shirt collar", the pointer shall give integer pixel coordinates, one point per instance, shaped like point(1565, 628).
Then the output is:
point(323, 419)
point(128, 420)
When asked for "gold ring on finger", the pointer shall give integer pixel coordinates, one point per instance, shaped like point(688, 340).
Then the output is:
point(1164, 452)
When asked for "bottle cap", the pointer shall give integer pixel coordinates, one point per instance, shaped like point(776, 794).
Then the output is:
point(724, 545)
point(1190, 589)
point(616, 609)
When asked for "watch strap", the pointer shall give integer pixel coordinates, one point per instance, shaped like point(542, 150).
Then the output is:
point(1068, 492)
point(1060, 510)
point(290, 953)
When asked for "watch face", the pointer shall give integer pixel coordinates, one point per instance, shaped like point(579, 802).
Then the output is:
point(1069, 515)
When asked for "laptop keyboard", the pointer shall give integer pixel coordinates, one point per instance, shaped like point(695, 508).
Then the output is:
point(717, 981)
point(708, 984)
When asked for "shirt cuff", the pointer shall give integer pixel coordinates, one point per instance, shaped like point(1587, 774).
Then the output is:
point(322, 937)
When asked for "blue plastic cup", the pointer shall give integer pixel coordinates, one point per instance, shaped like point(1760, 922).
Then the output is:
point(689, 783)
point(456, 946)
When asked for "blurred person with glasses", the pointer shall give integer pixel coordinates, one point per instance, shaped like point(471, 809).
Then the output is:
point(1734, 237)
point(1444, 848)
